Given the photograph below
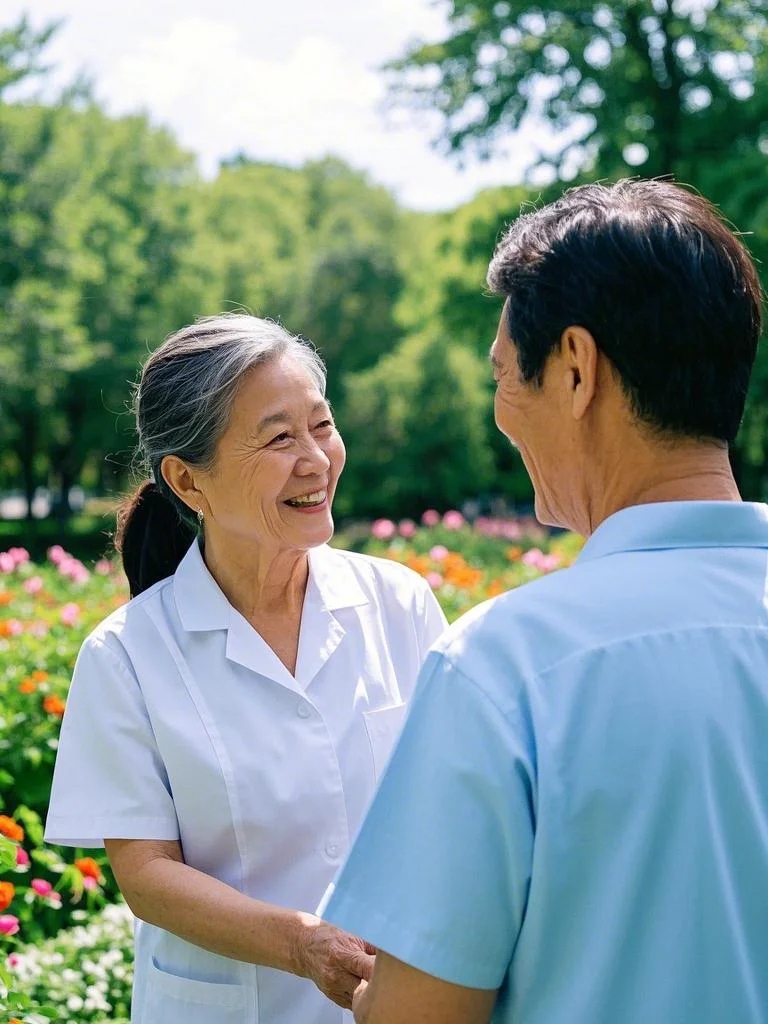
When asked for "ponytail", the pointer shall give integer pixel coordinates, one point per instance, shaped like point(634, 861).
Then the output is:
point(151, 537)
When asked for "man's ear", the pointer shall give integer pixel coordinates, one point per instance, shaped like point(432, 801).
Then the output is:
point(180, 478)
point(581, 357)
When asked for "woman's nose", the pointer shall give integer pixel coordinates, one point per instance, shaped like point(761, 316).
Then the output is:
point(315, 457)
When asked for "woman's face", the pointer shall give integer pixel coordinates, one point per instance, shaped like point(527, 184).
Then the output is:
point(277, 464)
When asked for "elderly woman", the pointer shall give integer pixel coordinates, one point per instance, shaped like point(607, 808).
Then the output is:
point(225, 729)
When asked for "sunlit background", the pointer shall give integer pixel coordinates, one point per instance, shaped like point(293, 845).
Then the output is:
point(279, 82)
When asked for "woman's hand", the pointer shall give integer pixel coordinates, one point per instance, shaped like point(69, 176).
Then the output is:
point(335, 961)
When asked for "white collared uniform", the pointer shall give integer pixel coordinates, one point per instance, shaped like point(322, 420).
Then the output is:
point(182, 723)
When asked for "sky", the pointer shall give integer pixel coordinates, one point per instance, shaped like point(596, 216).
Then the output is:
point(280, 80)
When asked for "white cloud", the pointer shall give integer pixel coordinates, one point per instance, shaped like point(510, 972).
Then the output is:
point(201, 79)
point(279, 81)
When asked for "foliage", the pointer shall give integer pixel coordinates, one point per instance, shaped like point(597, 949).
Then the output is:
point(641, 73)
point(83, 974)
point(45, 611)
point(93, 221)
point(397, 422)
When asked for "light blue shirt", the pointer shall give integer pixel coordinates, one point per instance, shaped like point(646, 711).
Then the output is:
point(577, 810)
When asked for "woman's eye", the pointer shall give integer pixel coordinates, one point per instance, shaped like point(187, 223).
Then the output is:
point(280, 437)
point(324, 423)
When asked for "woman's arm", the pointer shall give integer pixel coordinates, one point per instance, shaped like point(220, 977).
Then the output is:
point(164, 891)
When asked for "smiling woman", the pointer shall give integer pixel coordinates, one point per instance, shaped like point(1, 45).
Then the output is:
point(226, 728)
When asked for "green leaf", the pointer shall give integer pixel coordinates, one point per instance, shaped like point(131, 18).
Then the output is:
point(7, 854)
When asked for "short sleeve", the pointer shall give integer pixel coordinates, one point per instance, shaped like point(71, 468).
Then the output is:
point(109, 781)
point(438, 876)
point(431, 622)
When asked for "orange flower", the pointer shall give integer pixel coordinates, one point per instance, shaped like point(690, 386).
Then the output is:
point(27, 686)
point(11, 829)
point(5, 597)
point(88, 868)
point(39, 676)
point(54, 705)
point(7, 892)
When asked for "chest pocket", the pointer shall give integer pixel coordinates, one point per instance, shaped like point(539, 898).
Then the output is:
point(172, 999)
point(383, 727)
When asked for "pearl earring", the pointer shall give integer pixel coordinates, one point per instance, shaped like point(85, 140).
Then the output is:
point(200, 518)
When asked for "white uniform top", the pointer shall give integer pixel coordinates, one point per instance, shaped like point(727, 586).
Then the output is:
point(183, 724)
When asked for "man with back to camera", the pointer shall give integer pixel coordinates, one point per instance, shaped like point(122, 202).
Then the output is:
point(573, 828)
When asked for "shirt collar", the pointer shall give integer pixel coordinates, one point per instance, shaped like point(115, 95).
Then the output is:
point(202, 605)
point(680, 524)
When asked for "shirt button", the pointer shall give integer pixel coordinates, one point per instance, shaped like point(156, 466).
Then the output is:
point(303, 710)
point(332, 849)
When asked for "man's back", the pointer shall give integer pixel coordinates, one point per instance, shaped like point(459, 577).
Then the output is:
point(582, 786)
point(648, 898)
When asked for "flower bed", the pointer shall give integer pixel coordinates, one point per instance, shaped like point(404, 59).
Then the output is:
point(83, 974)
point(468, 563)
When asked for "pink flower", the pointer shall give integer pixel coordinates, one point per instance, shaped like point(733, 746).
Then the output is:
point(9, 924)
point(431, 517)
point(33, 585)
point(549, 562)
point(383, 529)
point(533, 558)
point(74, 569)
point(41, 887)
point(57, 553)
point(434, 579)
point(7, 562)
point(103, 567)
point(69, 613)
point(90, 883)
point(407, 528)
point(14, 627)
point(438, 553)
point(538, 560)
point(22, 857)
point(13, 960)
point(54, 900)
point(38, 629)
point(453, 520)
point(19, 555)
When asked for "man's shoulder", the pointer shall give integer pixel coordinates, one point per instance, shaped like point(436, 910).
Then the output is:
point(530, 629)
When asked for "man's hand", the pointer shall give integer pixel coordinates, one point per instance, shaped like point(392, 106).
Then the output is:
point(399, 994)
point(334, 960)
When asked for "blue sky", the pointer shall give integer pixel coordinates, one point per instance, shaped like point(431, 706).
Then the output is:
point(281, 81)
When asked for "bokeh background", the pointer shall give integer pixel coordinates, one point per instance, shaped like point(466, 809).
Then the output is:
point(344, 168)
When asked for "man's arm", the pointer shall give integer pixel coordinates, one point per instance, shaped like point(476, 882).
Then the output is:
point(399, 994)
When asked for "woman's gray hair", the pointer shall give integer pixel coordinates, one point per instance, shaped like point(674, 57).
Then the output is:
point(183, 401)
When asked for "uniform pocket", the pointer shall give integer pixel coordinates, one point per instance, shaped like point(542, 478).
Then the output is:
point(383, 727)
point(172, 999)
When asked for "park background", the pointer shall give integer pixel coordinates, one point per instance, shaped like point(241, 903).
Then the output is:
point(158, 165)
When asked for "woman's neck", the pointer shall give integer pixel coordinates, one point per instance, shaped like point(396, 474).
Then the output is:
point(258, 582)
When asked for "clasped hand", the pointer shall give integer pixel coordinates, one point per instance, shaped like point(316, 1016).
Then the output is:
point(334, 960)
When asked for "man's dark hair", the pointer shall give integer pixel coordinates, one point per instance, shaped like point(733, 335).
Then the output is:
point(669, 293)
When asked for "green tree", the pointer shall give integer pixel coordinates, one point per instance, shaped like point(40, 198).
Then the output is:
point(416, 431)
point(640, 83)
point(91, 227)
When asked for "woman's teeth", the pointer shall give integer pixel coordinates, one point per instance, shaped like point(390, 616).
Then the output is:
point(316, 498)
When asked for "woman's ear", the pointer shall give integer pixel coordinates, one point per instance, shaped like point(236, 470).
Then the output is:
point(180, 478)
point(581, 358)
